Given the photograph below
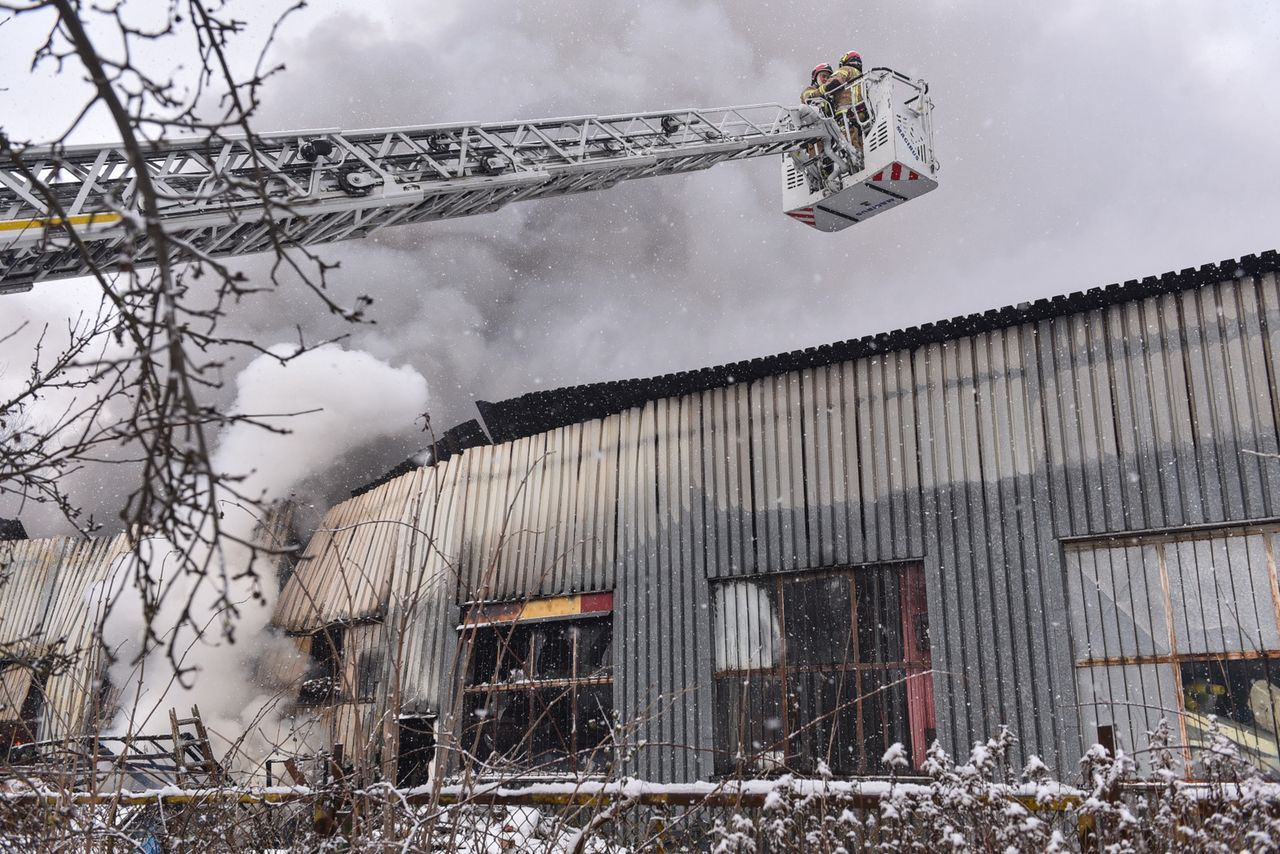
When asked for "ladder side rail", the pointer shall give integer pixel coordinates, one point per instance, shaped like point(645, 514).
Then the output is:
point(426, 174)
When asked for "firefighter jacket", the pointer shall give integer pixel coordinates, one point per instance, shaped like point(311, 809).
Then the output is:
point(842, 88)
point(812, 93)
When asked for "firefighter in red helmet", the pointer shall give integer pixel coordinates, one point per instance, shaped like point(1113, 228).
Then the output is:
point(812, 95)
point(845, 92)
point(819, 76)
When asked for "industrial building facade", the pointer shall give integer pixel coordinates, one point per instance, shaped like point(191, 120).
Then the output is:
point(1060, 517)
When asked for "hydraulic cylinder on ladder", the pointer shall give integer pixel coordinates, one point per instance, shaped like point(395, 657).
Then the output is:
point(328, 185)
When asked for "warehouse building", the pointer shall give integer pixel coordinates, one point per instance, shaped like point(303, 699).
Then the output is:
point(1060, 517)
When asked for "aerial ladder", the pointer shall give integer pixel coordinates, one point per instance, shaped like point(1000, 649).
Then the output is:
point(323, 186)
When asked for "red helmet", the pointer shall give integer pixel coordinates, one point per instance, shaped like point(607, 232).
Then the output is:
point(852, 58)
point(818, 69)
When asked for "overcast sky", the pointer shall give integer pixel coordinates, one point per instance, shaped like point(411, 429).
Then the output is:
point(1081, 143)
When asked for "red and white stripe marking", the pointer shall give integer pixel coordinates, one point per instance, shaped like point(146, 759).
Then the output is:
point(895, 174)
point(805, 215)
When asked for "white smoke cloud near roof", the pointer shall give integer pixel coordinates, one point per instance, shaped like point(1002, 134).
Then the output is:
point(1081, 143)
point(345, 399)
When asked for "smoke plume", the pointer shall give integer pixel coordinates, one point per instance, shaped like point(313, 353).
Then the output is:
point(345, 399)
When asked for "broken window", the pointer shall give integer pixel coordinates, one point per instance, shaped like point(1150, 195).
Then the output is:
point(417, 746)
point(826, 668)
point(539, 691)
point(325, 671)
point(1181, 627)
point(1242, 696)
point(22, 699)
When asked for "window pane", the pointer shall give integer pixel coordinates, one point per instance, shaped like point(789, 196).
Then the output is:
point(823, 721)
point(1244, 696)
point(595, 648)
point(749, 736)
point(746, 626)
point(553, 651)
point(551, 729)
point(882, 709)
point(595, 727)
point(879, 615)
point(819, 621)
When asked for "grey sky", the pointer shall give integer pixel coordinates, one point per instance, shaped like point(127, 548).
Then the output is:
point(1081, 143)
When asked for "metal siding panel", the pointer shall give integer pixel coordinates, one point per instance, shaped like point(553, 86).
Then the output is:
point(691, 574)
point(825, 541)
point(698, 640)
point(1268, 341)
point(882, 484)
point(1202, 404)
point(1106, 450)
point(650, 582)
point(1011, 527)
point(796, 424)
point(1138, 485)
point(767, 540)
point(516, 538)
point(942, 585)
point(722, 491)
point(990, 563)
point(475, 497)
point(1050, 634)
point(579, 471)
point(630, 603)
point(867, 451)
point(1181, 436)
point(70, 694)
point(904, 465)
point(605, 503)
point(850, 439)
point(491, 502)
point(26, 568)
point(1062, 427)
point(1254, 427)
point(973, 570)
point(1159, 433)
point(661, 581)
point(1224, 418)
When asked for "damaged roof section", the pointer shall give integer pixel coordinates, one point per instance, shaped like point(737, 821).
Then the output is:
point(345, 572)
point(48, 625)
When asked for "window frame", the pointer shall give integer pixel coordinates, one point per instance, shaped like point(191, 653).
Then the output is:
point(527, 618)
point(782, 673)
point(1175, 630)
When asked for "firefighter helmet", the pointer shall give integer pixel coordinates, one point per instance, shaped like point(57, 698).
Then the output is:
point(818, 69)
point(852, 58)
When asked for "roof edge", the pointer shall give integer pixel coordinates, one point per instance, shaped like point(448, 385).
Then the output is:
point(539, 411)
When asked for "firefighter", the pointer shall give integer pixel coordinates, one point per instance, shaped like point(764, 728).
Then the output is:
point(845, 92)
point(813, 96)
point(821, 73)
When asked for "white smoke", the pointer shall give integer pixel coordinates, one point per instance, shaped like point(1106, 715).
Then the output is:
point(344, 400)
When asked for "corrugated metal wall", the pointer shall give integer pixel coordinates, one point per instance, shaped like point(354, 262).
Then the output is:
point(46, 607)
point(975, 456)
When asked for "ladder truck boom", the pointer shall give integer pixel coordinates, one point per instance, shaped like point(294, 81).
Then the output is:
point(322, 186)
point(331, 185)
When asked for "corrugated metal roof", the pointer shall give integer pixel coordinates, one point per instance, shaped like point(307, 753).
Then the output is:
point(26, 580)
point(45, 608)
point(345, 573)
